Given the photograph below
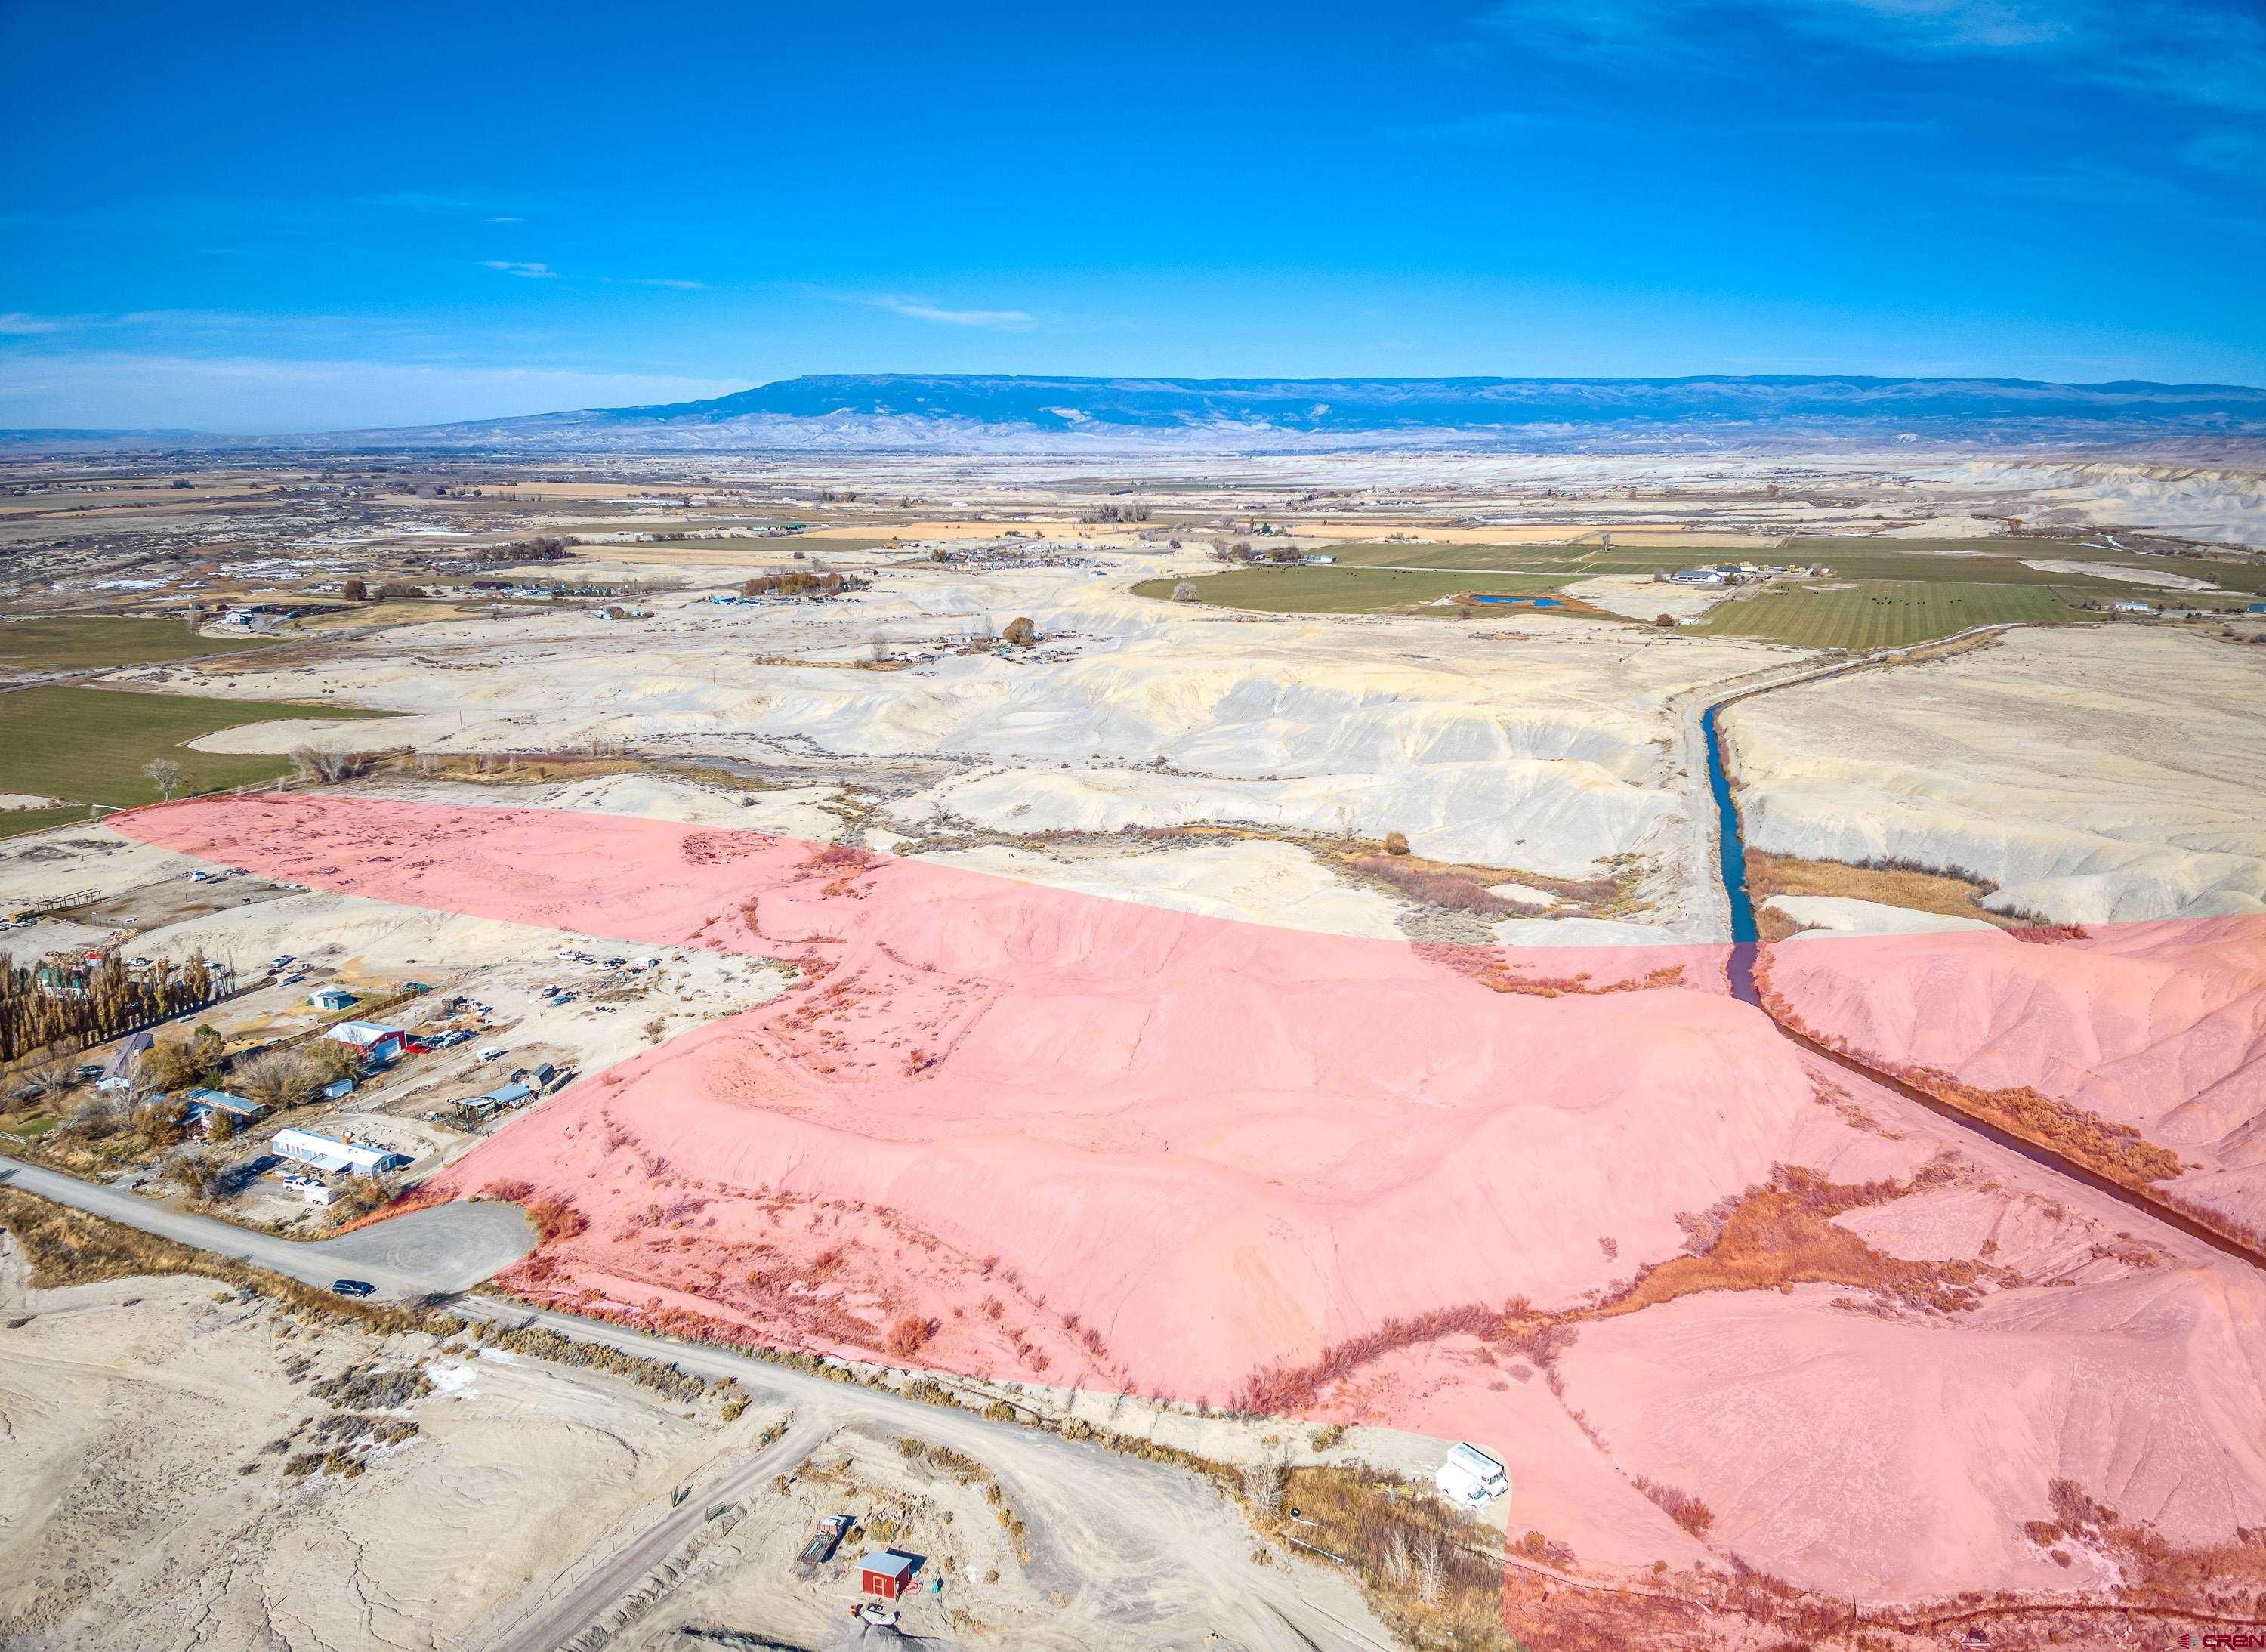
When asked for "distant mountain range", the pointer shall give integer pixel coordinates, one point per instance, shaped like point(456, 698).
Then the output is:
point(910, 411)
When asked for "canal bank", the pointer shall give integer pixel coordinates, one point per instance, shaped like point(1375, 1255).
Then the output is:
point(1744, 955)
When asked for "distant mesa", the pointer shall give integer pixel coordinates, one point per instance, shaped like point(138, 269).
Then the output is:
point(906, 412)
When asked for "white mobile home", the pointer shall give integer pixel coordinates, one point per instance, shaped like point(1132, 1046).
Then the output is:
point(330, 1154)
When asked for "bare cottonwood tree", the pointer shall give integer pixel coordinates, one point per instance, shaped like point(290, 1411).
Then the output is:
point(1264, 1479)
point(1400, 1566)
point(1430, 1565)
point(165, 774)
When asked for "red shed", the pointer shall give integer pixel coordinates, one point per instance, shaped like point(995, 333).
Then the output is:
point(887, 1572)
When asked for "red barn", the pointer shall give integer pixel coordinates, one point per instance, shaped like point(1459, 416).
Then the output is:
point(887, 1573)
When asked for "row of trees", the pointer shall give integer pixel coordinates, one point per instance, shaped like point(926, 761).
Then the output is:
point(797, 583)
point(71, 1004)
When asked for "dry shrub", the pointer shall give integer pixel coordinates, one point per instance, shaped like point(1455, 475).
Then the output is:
point(911, 1334)
point(1282, 1390)
point(556, 1218)
point(1450, 890)
point(371, 1385)
point(1681, 1507)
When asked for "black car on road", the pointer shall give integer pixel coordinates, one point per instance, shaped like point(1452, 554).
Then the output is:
point(352, 1288)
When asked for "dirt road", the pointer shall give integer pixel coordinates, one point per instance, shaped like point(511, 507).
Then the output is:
point(1170, 1541)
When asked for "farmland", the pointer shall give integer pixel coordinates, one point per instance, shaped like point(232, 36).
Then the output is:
point(87, 745)
point(1884, 613)
point(1348, 590)
point(67, 644)
point(1561, 561)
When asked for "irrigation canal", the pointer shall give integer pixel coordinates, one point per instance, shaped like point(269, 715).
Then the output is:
point(1731, 858)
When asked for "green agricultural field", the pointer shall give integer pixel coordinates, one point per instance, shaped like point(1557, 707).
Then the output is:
point(65, 644)
point(15, 822)
point(1347, 590)
point(1883, 613)
point(1564, 561)
point(87, 745)
point(2001, 562)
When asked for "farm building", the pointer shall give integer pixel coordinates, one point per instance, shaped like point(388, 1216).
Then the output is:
point(330, 999)
point(495, 1100)
point(2129, 607)
point(1696, 576)
point(887, 1572)
point(339, 1157)
point(378, 1042)
point(202, 1107)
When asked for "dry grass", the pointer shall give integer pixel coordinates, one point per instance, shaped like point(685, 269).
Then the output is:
point(1423, 1569)
point(511, 770)
point(2117, 1151)
point(1783, 1235)
point(1460, 887)
point(1770, 1237)
point(1946, 894)
point(1936, 892)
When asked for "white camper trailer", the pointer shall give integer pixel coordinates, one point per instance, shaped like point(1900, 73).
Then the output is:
point(1471, 1476)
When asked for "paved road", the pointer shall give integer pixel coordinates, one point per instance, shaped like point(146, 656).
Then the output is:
point(437, 1251)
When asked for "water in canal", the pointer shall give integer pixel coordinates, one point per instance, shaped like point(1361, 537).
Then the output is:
point(1731, 854)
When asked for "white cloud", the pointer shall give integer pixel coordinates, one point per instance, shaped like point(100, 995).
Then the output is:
point(512, 267)
point(921, 310)
point(15, 324)
point(2202, 53)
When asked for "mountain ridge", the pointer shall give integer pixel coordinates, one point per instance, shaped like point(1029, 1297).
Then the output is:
point(946, 412)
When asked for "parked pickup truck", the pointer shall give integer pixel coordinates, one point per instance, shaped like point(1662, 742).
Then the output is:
point(823, 1541)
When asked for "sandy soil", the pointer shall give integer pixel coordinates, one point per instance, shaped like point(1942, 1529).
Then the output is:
point(1641, 597)
point(2130, 576)
point(138, 1508)
point(2092, 776)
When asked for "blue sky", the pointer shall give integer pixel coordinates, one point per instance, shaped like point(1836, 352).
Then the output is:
point(256, 217)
